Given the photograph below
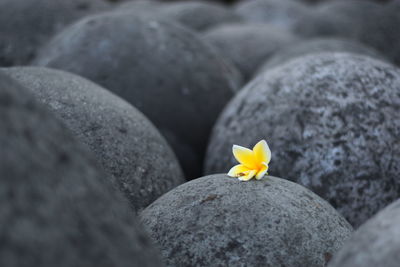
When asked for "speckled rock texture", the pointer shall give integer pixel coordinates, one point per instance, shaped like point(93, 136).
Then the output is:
point(281, 13)
point(196, 15)
point(221, 221)
point(248, 45)
point(332, 123)
point(318, 45)
point(161, 68)
point(375, 243)
point(136, 157)
point(56, 206)
point(371, 23)
point(26, 24)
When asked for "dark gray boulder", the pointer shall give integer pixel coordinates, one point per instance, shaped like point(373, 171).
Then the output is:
point(221, 221)
point(371, 23)
point(318, 45)
point(26, 24)
point(57, 207)
point(196, 15)
point(281, 13)
point(161, 68)
point(375, 243)
point(386, 36)
point(332, 123)
point(248, 45)
point(347, 19)
point(136, 157)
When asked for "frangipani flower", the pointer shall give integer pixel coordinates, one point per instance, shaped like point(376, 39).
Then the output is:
point(253, 163)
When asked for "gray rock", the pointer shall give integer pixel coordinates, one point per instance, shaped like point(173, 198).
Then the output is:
point(161, 68)
point(221, 221)
point(318, 45)
point(338, 18)
point(248, 45)
point(281, 13)
point(195, 15)
point(332, 123)
point(386, 36)
point(56, 206)
point(26, 24)
point(370, 23)
point(136, 157)
point(142, 5)
point(375, 243)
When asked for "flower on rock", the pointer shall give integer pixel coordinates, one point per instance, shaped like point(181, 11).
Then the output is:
point(253, 163)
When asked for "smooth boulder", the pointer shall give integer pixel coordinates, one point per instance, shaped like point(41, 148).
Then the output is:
point(248, 45)
point(136, 157)
point(375, 243)
point(25, 25)
point(281, 13)
point(57, 206)
point(365, 21)
point(161, 68)
point(196, 15)
point(331, 120)
point(220, 221)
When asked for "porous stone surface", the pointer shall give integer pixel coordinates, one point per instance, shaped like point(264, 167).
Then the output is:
point(136, 157)
point(26, 24)
point(281, 13)
point(196, 15)
point(332, 123)
point(220, 221)
point(248, 45)
point(56, 206)
point(161, 68)
point(375, 243)
point(318, 45)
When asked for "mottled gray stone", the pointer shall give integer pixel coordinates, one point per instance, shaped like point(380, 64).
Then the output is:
point(56, 206)
point(26, 24)
point(248, 45)
point(196, 15)
point(282, 13)
point(161, 68)
point(332, 123)
point(318, 45)
point(138, 160)
point(375, 243)
point(221, 221)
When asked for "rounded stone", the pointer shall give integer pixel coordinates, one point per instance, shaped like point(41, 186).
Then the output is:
point(220, 221)
point(318, 45)
point(332, 123)
point(26, 24)
point(161, 68)
point(57, 208)
point(136, 157)
point(382, 32)
point(248, 45)
point(281, 13)
point(375, 243)
point(371, 23)
point(195, 15)
point(345, 19)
